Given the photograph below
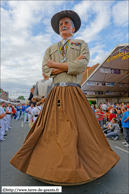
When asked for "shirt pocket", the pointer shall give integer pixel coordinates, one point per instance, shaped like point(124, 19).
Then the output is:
point(53, 54)
point(75, 51)
point(75, 48)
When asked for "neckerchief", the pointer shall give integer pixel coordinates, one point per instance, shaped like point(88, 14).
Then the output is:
point(63, 48)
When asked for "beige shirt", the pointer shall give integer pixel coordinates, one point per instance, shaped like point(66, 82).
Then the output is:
point(75, 68)
point(41, 88)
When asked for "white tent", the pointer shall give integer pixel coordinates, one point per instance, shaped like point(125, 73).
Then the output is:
point(1, 100)
point(111, 77)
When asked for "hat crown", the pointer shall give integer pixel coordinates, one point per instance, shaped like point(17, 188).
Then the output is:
point(62, 14)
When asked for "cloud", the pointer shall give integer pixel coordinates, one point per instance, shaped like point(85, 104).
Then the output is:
point(84, 10)
point(101, 14)
point(99, 53)
point(26, 33)
point(22, 52)
point(120, 13)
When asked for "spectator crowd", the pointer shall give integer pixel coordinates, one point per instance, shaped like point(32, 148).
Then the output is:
point(113, 118)
point(28, 112)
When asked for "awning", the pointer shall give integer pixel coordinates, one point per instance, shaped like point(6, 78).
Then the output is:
point(111, 77)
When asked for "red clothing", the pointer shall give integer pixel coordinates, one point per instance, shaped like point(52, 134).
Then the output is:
point(13, 110)
point(100, 116)
point(112, 115)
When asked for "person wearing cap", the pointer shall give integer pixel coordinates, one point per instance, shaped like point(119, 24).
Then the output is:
point(66, 145)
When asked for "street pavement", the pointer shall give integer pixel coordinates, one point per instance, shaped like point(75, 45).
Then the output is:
point(115, 181)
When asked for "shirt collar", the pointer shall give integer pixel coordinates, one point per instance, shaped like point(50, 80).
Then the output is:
point(63, 41)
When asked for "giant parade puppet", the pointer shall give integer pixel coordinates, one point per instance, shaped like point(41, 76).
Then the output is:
point(66, 145)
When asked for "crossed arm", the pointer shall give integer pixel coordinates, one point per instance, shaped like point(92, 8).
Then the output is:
point(60, 67)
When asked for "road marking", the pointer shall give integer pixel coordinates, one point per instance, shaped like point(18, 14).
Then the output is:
point(121, 149)
point(22, 124)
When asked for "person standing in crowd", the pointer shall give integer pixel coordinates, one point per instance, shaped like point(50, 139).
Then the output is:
point(128, 106)
point(5, 118)
point(2, 121)
point(14, 111)
point(35, 112)
point(125, 125)
point(112, 114)
point(93, 108)
point(26, 113)
point(29, 111)
point(31, 96)
point(104, 106)
point(119, 116)
point(18, 108)
point(99, 114)
point(107, 114)
point(8, 113)
point(22, 110)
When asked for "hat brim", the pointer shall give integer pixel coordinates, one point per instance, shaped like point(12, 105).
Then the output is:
point(62, 14)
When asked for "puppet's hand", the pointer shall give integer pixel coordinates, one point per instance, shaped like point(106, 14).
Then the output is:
point(50, 63)
point(80, 57)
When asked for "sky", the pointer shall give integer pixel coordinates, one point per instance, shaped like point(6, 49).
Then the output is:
point(26, 33)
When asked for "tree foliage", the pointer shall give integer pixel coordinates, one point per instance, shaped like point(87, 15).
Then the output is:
point(21, 98)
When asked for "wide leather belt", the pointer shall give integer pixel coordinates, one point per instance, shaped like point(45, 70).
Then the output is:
point(8, 113)
point(62, 84)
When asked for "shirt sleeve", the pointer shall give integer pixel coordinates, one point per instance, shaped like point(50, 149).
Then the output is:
point(112, 127)
point(78, 66)
point(45, 69)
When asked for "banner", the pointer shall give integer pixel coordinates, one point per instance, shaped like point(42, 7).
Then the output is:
point(109, 84)
point(113, 71)
point(124, 55)
point(123, 85)
point(91, 83)
point(113, 93)
point(90, 92)
point(96, 83)
point(16, 94)
point(93, 92)
point(99, 92)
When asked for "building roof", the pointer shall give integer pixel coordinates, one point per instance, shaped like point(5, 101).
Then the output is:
point(111, 77)
point(88, 72)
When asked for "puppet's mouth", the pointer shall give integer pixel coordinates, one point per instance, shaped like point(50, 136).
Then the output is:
point(64, 28)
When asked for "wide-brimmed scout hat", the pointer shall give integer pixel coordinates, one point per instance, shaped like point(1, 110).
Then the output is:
point(62, 14)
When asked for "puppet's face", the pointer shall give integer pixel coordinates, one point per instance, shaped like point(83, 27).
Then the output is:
point(65, 27)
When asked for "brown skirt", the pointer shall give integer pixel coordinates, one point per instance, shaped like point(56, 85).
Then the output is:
point(66, 145)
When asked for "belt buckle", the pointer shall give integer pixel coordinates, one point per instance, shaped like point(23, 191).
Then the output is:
point(62, 84)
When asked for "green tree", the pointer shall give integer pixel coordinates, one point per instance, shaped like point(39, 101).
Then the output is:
point(21, 98)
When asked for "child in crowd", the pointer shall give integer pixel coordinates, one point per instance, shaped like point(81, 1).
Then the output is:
point(113, 129)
